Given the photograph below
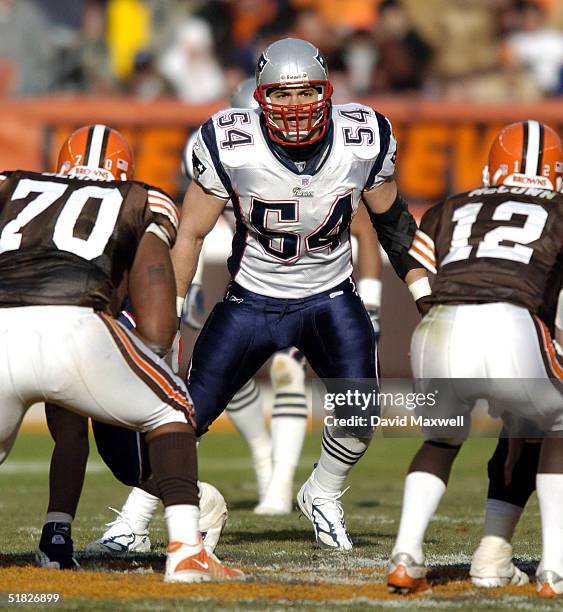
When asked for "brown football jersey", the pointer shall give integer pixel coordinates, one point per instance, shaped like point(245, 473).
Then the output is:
point(70, 241)
point(502, 244)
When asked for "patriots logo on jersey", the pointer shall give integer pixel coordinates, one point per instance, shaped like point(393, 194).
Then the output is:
point(198, 166)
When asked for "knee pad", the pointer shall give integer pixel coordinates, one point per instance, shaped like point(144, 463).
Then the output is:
point(523, 482)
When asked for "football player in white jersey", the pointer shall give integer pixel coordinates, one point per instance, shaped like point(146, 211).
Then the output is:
point(296, 170)
point(281, 451)
point(275, 458)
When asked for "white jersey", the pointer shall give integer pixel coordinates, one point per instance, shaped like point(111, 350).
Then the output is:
point(292, 237)
point(188, 171)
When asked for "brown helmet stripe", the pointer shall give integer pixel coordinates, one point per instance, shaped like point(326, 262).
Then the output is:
point(540, 150)
point(105, 140)
point(524, 147)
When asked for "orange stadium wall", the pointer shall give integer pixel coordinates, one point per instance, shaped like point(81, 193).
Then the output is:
point(442, 150)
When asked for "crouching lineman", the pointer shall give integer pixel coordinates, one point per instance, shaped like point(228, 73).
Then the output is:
point(125, 452)
point(295, 170)
point(67, 241)
point(497, 252)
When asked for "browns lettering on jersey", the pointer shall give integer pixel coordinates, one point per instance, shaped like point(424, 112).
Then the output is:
point(70, 241)
point(502, 244)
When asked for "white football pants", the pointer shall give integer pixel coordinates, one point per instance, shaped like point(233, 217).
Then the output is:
point(505, 351)
point(86, 362)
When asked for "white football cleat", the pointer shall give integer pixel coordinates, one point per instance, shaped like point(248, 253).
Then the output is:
point(492, 566)
point(121, 538)
point(325, 511)
point(185, 565)
point(549, 585)
point(213, 515)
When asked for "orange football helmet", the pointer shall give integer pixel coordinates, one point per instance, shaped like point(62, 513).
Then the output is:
point(525, 154)
point(98, 152)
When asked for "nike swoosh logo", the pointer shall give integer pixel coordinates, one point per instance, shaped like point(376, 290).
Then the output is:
point(204, 565)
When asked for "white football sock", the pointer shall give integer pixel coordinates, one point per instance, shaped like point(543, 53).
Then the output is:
point(423, 492)
point(289, 421)
point(550, 495)
point(245, 412)
point(139, 508)
point(58, 517)
point(338, 457)
point(501, 519)
point(182, 521)
point(288, 433)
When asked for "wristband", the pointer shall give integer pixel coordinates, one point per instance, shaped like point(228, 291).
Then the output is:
point(420, 288)
point(179, 306)
point(370, 291)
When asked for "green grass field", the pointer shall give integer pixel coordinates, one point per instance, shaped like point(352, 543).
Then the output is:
point(285, 567)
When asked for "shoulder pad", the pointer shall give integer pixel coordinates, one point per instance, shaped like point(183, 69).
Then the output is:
point(236, 131)
point(360, 129)
point(148, 188)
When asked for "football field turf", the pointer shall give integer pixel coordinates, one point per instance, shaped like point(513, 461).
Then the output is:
point(284, 566)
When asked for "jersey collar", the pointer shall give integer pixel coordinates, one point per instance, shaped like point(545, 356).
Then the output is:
point(311, 158)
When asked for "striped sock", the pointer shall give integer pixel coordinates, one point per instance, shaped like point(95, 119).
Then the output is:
point(338, 457)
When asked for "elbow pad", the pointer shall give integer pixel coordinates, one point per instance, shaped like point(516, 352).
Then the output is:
point(395, 229)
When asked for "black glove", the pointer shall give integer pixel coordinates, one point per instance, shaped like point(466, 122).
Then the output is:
point(424, 305)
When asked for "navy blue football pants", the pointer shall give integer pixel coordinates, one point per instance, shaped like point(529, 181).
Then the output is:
point(332, 329)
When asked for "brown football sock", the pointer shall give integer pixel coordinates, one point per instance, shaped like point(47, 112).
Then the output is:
point(173, 460)
point(69, 458)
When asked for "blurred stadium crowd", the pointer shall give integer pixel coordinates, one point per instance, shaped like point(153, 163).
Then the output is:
point(198, 50)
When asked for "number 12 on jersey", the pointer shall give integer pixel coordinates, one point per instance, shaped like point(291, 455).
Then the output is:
point(490, 246)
